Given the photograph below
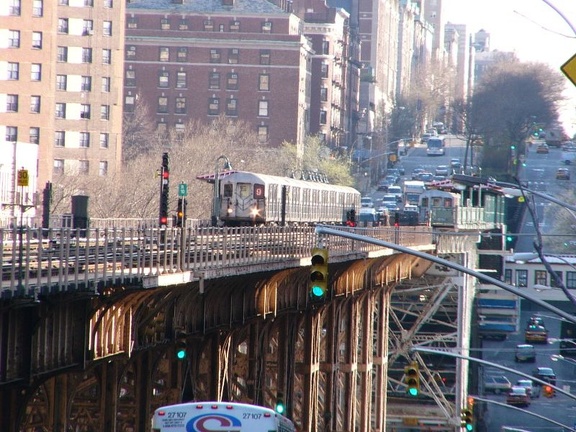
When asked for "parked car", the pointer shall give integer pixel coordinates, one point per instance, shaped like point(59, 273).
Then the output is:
point(532, 391)
point(562, 174)
point(545, 374)
point(525, 353)
point(518, 396)
point(497, 384)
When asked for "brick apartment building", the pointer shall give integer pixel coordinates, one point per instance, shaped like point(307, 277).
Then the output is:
point(246, 59)
point(60, 92)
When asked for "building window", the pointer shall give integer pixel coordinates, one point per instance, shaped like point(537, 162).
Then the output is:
point(14, 7)
point(106, 56)
point(221, 28)
point(37, 8)
point(35, 135)
point(61, 82)
point(233, 55)
point(165, 24)
point(108, 4)
point(107, 28)
point(63, 2)
point(213, 106)
point(105, 84)
point(13, 71)
point(14, 38)
point(58, 166)
point(232, 81)
point(37, 40)
point(325, 47)
point(60, 110)
point(83, 167)
point(522, 278)
point(164, 55)
point(262, 134)
point(88, 27)
point(163, 79)
point(85, 111)
point(263, 108)
point(180, 105)
point(214, 81)
point(12, 103)
point(60, 139)
point(62, 55)
point(11, 133)
point(323, 117)
point(541, 277)
point(35, 102)
point(86, 84)
point(264, 57)
point(103, 168)
point(104, 112)
point(324, 94)
point(324, 70)
point(104, 140)
point(183, 24)
point(36, 72)
point(215, 56)
point(232, 107)
point(129, 102)
point(264, 82)
point(89, 3)
point(182, 54)
point(130, 52)
point(84, 139)
point(571, 280)
point(162, 104)
point(508, 276)
point(235, 26)
point(267, 27)
point(181, 81)
point(86, 55)
point(132, 23)
point(130, 79)
point(63, 25)
point(208, 25)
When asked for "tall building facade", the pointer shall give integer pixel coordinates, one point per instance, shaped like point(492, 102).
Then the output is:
point(60, 93)
point(244, 59)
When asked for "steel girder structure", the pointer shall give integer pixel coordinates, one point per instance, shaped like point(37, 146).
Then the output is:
point(105, 363)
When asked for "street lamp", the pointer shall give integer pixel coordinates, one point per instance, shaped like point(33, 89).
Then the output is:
point(556, 357)
point(216, 197)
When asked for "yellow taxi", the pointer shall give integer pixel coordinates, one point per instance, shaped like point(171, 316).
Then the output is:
point(536, 333)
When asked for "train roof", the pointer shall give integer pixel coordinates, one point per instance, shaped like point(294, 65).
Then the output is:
point(267, 179)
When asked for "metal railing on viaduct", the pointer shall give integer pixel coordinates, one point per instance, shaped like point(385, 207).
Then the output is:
point(90, 321)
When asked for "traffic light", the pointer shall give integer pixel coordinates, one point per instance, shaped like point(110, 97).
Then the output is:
point(181, 350)
point(351, 218)
point(412, 379)
point(509, 242)
point(181, 213)
point(280, 407)
point(468, 419)
point(396, 219)
point(548, 391)
point(319, 274)
point(512, 147)
point(164, 191)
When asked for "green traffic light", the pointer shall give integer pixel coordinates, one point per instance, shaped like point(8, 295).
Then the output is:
point(469, 427)
point(181, 354)
point(280, 408)
point(413, 392)
point(317, 291)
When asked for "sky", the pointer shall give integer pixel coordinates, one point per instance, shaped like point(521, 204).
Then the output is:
point(534, 30)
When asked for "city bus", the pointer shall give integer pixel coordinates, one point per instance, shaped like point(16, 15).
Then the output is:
point(436, 146)
point(217, 417)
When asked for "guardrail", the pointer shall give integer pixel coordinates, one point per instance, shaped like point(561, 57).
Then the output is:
point(42, 262)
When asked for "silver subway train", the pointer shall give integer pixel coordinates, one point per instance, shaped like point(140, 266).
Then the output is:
point(247, 198)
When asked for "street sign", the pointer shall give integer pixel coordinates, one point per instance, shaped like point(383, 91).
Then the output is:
point(182, 190)
point(569, 69)
point(22, 177)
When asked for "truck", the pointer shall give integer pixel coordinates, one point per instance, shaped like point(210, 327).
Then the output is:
point(412, 191)
point(498, 314)
point(568, 339)
point(555, 137)
point(568, 155)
